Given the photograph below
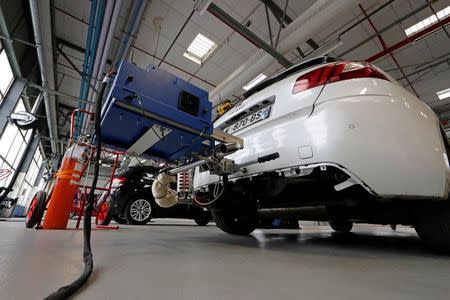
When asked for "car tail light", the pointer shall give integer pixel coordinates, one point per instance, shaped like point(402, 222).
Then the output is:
point(312, 79)
point(119, 180)
point(334, 73)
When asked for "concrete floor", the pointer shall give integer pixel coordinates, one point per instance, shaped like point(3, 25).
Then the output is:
point(175, 259)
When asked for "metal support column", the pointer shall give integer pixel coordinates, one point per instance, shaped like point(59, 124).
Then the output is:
point(10, 101)
point(8, 42)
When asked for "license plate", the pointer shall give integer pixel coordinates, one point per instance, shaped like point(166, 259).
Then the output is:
point(249, 120)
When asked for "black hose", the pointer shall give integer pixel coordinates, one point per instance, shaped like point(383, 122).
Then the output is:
point(68, 290)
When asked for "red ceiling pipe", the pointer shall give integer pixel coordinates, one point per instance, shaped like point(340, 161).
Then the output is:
point(412, 38)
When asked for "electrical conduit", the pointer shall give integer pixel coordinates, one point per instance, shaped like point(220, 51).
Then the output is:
point(108, 29)
point(91, 58)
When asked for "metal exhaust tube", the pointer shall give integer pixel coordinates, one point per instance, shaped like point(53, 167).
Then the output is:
point(228, 148)
point(187, 167)
point(307, 213)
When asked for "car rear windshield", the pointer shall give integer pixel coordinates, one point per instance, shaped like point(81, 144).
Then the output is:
point(288, 72)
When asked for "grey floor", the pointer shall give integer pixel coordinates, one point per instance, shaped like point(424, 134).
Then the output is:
point(175, 259)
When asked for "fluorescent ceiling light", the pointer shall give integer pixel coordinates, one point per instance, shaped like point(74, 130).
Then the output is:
point(443, 94)
point(200, 48)
point(428, 21)
point(254, 81)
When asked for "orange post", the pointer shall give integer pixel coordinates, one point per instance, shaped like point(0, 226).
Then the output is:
point(67, 178)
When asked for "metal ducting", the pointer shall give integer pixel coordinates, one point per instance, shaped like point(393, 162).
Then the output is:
point(44, 45)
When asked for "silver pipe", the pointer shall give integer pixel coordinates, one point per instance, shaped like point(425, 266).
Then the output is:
point(41, 61)
point(164, 120)
point(50, 91)
point(108, 41)
point(129, 33)
point(304, 213)
point(102, 57)
point(187, 167)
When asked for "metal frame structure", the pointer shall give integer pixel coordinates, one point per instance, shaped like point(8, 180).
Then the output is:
point(249, 35)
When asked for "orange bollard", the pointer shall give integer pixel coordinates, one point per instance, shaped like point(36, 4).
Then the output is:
point(67, 178)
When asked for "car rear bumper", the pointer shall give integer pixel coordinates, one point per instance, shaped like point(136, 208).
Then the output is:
point(390, 142)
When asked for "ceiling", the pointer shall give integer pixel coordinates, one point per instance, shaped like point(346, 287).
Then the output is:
point(427, 60)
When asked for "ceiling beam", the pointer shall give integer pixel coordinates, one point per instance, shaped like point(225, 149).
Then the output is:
point(70, 45)
point(398, 21)
point(60, 49)
point(283, 19)
point(247, 33)
point(277, 11)
point(53, 92)
point(412, 38)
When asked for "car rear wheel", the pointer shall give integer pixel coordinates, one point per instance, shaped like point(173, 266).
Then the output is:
point(138, 210)
point(341, 225)
point(234, 222)
point(202, 218)
point(433, 227)
point(236, 217)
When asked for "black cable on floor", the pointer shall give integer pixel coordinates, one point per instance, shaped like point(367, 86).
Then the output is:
point(68, 290)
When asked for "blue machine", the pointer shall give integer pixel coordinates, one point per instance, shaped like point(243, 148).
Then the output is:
point(154, 113)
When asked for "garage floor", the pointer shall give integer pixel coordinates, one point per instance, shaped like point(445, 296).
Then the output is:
point(175, 259)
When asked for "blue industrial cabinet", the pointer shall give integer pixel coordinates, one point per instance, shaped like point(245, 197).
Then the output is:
point(156, 92)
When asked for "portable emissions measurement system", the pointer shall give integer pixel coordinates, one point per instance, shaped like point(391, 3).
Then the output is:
point(154, 113)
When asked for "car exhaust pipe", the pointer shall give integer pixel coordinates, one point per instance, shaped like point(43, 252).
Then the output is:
point(228, 148)
point(164, 196)
point(306, 213)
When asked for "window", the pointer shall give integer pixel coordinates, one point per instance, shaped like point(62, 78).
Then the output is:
point(254, 81)
point(428, 21)
point(13, 142)
point(26, 189)
point(443, 94)
point(34, 168)
point(200, 48)
point(6, 73)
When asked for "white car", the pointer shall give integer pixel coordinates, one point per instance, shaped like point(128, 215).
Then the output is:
point(353, 146)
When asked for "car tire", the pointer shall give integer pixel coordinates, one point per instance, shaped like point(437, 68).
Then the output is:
point(36, 209)
point(104, 213)
point(119, 220)
point(203, 218)
point(235, 220)
point(341, 225)
point(433, 227)
point(138, 210)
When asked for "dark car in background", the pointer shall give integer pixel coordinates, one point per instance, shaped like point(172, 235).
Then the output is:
point(131, 200)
